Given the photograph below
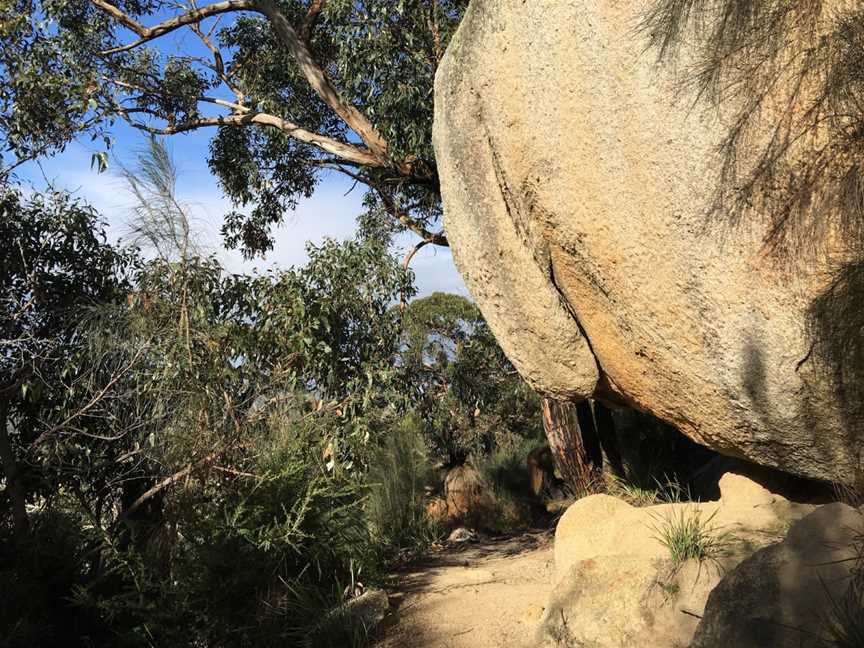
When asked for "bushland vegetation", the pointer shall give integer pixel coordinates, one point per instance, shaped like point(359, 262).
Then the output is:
point(192, 457)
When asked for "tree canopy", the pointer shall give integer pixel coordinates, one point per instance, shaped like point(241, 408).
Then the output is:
point(183, 449)
point(56, 260)
point(292, 88)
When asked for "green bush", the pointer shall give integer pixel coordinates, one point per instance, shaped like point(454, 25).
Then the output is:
point(510, 505)
point(38, 584)
point(506, 468)
point(399, 476)
point(253, 558)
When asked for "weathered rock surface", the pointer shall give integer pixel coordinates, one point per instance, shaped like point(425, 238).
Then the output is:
point(367, 610)
point(616, 584)
point(576, 179)
point(465, 492)
point(789, 594)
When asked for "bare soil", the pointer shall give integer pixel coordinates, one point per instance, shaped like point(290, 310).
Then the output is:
point(486, 593)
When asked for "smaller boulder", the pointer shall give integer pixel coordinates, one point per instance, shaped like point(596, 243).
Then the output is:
point(616, 582)
point(368, 608)
point(436, 510)
point(363, 612)
point(788, 594)
point(465, 492)
point(461, 535)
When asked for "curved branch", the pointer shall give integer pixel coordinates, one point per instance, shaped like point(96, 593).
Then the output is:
point(190, 17)
point(435, 238)
point(316, 78)
point(315, 9)
point(407, 260)
point(347, 152)
point(403, 300)
point(168, 481)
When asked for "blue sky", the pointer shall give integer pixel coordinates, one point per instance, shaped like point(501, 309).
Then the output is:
point(329, 213)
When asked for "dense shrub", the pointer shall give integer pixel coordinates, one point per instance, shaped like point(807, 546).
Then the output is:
point(223, 460)
point(508, 504)
point(400, 477)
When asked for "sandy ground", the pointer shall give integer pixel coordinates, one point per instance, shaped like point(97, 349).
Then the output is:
point(488, 593)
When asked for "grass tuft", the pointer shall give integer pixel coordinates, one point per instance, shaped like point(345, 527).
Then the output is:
point(689, 536)
point(395, 508)
point(634, 494)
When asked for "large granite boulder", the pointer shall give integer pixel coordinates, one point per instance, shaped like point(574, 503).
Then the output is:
point(616, 584)
point(576, 179)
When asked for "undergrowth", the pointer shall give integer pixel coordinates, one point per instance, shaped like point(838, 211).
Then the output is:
point(508, 486)
point(399, 474)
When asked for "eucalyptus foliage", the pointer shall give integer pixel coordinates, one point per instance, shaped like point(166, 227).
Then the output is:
point(293, 89)
point(55, 261)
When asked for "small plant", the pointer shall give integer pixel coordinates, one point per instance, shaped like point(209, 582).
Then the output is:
point(639, 495)
point(562, 636)
point(506, 469)
point(688, 536)
point(508, 488)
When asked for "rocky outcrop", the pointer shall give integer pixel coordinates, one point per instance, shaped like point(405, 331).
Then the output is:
point(364, 612)
point(616, 582)
point(795, 593)
point(576, 180)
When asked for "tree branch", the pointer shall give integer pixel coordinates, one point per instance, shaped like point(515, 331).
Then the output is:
point(93, 401)
point(168, 481)
point(348, 152)
point(218, 63)
point(292, 41)
point(150, 33)
point(315, 9)
point(435, 238)
point(407, 260)
point(316, 78)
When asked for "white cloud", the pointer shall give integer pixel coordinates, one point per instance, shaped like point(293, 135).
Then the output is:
point(329, 213)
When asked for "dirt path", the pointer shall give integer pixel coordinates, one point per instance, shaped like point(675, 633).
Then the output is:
point(483, 594)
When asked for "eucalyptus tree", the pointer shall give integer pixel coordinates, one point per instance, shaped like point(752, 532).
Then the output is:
point(292, 88)
point(468, 395)
point(56, 261)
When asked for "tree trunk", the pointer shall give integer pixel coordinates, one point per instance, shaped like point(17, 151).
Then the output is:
point(13, 477)
point(573, 440)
